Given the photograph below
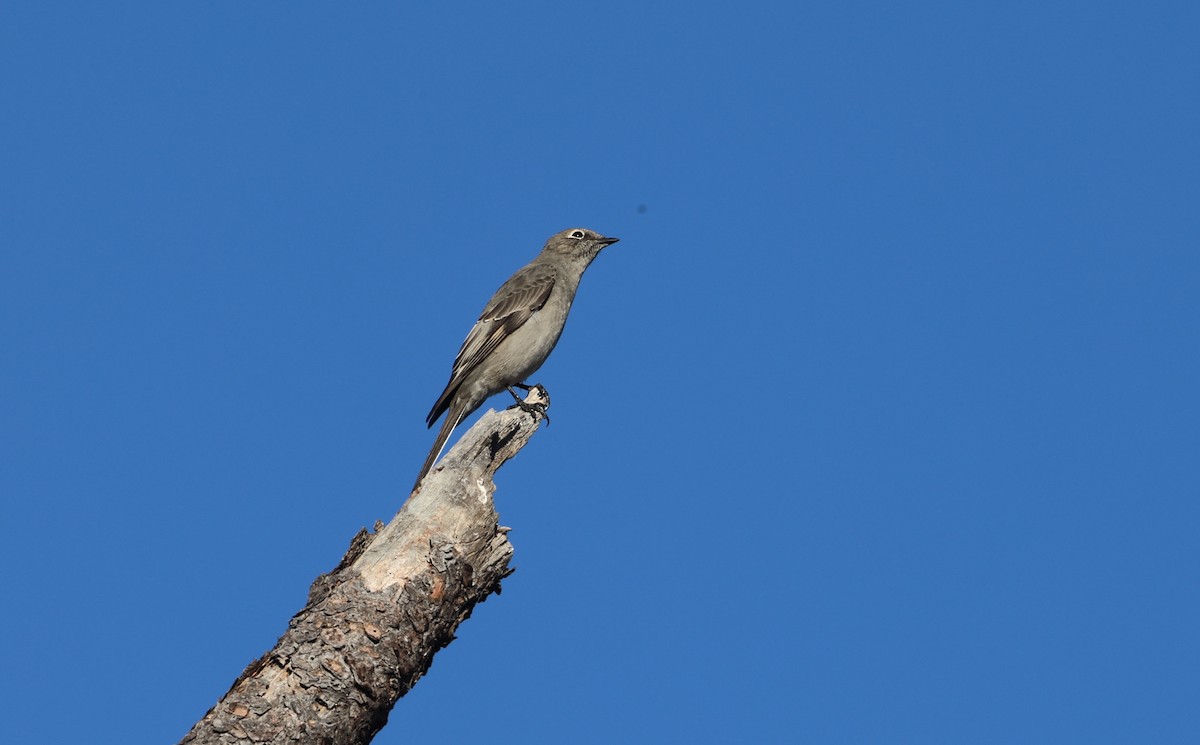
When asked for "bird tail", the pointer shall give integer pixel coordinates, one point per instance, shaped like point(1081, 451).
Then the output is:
point(453, 417)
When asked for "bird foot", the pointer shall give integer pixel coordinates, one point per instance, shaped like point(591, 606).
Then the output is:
point(535, 404)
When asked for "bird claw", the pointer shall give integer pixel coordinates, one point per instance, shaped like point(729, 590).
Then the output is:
point(537, 408)
point(534, 410)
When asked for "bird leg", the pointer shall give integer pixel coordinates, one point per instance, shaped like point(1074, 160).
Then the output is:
point(538, 409)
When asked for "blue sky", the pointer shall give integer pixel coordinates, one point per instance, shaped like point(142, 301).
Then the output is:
point(879, 424)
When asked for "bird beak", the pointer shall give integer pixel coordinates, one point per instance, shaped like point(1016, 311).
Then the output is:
point(608, 241)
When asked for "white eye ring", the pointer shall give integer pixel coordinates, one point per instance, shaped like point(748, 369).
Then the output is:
point(577, 234)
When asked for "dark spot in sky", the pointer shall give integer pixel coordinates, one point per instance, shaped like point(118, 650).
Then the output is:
point(641, 209)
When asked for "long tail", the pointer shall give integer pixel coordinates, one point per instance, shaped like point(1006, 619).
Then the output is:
point(453, 417)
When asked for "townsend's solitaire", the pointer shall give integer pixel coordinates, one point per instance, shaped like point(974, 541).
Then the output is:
point(516, 331)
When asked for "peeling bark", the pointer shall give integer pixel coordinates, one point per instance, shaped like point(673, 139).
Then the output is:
point(372, 626)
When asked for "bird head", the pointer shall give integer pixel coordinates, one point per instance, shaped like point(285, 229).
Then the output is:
point(578, 242)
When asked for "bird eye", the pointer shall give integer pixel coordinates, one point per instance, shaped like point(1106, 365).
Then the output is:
point(576, 233)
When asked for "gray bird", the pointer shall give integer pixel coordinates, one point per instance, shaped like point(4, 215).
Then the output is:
point(516, 331)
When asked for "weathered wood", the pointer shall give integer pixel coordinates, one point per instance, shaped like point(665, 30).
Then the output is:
point(372, 625)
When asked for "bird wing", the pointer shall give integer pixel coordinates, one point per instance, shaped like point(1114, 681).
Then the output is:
point(517, 299)
point(513, 304)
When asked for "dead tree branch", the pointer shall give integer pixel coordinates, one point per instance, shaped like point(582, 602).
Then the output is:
point(372, 625)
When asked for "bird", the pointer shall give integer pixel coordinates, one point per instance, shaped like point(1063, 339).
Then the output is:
point(515, 333)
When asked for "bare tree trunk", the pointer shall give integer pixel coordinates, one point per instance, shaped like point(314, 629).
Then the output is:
point(371, 626)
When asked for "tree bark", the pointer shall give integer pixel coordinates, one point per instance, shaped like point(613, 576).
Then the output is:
point(371, 626)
